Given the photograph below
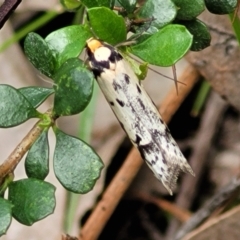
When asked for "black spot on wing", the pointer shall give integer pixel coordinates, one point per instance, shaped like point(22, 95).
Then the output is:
point(164, 160)
point(121, 103)
point(138, 139)
point(139, 89)
point(145, 150)
point(116, 86)
point(111, 103)
point(141, 103)
point(126, 77)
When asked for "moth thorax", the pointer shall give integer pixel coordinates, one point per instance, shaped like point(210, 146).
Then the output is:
point(102, 54)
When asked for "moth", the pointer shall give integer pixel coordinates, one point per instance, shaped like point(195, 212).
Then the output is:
point(136, 113)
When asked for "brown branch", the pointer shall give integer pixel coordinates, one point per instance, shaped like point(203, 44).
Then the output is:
point(214, 203)
point(15, 157)
point(179, 213)
point(6, 10)
point(202, 143)
point(132, 164)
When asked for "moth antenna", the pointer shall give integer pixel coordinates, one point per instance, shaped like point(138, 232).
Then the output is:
point(130, 42)
point(126, 43)
point(175, 77)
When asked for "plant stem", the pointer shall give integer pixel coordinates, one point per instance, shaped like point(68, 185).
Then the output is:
point(201, 98)
point(236, 25)
point(29, 28)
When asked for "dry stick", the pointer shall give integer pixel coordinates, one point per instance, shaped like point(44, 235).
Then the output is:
point(179, 213)
point(15, 157)
point(132, 164)
point(6, 9)
point(214, 203)
point(198, 160)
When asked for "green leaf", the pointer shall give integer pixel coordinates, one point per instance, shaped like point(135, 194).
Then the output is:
point(36, 95)
point(162, 11)
point(5, 215)
point(36, 163)
point(128, 5)
point(165, 47)
point(33, 200)
point(73, 88)
point(71, 4)
point(189, 9)
point(201, 35)
point(39, 54)
point(221, 6)
point(68, 42)
point(98, 3)
point(14, 107)
point(76, 165)
point(107, 25)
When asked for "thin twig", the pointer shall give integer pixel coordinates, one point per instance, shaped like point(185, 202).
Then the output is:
point(6, 10)
point(198, 160)
point(132, 164)
point(179, 213)
point(214, 203)
point(15, 157)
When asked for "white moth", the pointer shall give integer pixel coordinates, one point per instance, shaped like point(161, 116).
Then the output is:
point(136, 113)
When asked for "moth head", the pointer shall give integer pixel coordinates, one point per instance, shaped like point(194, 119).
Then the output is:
point(101, 56)
point(93, 44)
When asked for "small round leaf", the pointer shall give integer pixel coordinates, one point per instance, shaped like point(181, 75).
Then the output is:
point(201, 35)
point(76, 165)
point(68, 42)
point(37, 160)
point(36, 95)
point(107, 25)
point(221, 6)
point(162, 11)
point(165, 47)
point(73, 88)
point(128, 5)
point(14, 107)
point(39, 54)
point(33, 200)
point(97, 3)
point(189, 9)
point(5, 215)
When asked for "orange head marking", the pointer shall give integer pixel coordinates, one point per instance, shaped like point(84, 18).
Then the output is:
point(93, 44)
